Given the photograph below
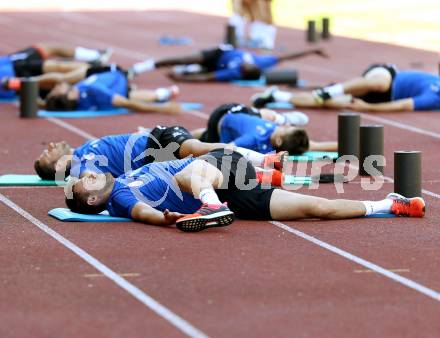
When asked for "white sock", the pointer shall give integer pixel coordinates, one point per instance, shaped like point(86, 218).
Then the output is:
point(86, 54)
point(335, 90)
point(268, 35)
point(375, 207)
point(239, 23)
point(143, 66)
point(280, 119)
point(256, 31)
point(281, 96)
point(209, 196)
point(255, 158)
point(296, 118)
point(162, 94)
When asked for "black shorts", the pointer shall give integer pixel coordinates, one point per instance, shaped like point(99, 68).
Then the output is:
point(211, 134)
point(238, 173)
point(379, 97)
point(211, 56)
point(28, 62)
point(160, 137)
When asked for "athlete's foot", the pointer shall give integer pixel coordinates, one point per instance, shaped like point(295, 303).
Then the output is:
point(407, 207)
point(271, 177)
point(208, 216)
point(105, 56)
point(10, 83)
point(296, 118)
point(275, 161)
point(260, 100)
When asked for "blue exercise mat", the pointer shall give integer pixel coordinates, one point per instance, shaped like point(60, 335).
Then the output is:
point(77, 114)
point(381, 216)
point(167, 40)
point(280, 105)
point(65, 215)
point(310, 156)
point(8, 100)
point(261, 82)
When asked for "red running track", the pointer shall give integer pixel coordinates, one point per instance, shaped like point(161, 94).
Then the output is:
point(250, 279)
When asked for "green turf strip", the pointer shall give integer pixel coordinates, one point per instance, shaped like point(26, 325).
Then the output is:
point(25, 180)
point(310, 156)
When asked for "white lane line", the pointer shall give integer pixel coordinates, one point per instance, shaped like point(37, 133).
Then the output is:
point(71, 128)
point(144, 298)
point(401, 125)
point(371, 266)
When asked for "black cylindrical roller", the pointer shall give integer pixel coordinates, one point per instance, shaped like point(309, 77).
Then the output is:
point(231, 36)
point(325, 34)
point(371, 143)
point(311, 31)
point(28, 98)
point(282, 76)
point(348, 133)
point(408, 173)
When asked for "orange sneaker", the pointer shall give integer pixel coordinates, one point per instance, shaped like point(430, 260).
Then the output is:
point(407, 207)
point(270, 176)
point(275, 161)
point(11, 83)
point(208, 216)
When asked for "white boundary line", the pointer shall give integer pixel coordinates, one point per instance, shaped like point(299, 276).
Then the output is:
point(144, 298)
point(397, 278)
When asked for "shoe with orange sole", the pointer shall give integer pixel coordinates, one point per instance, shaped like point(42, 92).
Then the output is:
point(208, 216)
point(407, 207)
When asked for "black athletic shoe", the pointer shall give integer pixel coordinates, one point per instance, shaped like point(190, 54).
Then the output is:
point(208, 216)
point(260, 100)
point(320, 95)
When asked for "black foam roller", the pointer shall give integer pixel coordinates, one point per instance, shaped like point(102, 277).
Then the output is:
point(311, 31)
point(325, 34)
point(371, 143)
point(282, 76)
point(231, 36)
point(408, 173)
point(28, 98)
point(348, 133)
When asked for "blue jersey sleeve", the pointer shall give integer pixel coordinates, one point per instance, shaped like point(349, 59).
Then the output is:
point(229, 74)
point(122, 203)
point(245, 141)
point(427, 101)
point(265, 61)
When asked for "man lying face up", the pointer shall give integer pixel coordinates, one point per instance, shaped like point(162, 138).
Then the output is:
point(209, 191)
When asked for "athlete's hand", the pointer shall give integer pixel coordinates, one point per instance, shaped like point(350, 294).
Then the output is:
point(171, 217)
point(358, 104)
point(322, 53)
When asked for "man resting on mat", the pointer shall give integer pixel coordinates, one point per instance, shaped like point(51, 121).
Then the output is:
point(224, 63)
point(107, 90)
point(381, 88)
point(197, 194)
point(118, 154)
point(246, 127)
point(35, 61)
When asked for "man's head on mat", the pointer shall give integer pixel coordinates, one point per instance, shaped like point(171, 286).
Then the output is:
point(47, 163)
point(291, 139)
point(89, 194)
point(250, 71)
point(63, 97)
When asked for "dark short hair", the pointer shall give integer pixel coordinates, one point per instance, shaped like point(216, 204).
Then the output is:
point(79, 204)
point(48, 172)
point(295, 142)
point(45, 172)
point(250, 72)
point(60, 103)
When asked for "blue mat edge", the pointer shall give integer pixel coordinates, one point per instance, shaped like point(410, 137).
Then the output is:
point(82, 217)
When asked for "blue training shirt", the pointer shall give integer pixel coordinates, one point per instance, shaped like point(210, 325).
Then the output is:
point(423, 88)
point(152, 184)
point(6, 70)
point(247, 131)
point(229, 64)
point(96, 91)
point(114, 154)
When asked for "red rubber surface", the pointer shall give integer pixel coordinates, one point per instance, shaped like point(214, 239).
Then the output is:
point(250, 279)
